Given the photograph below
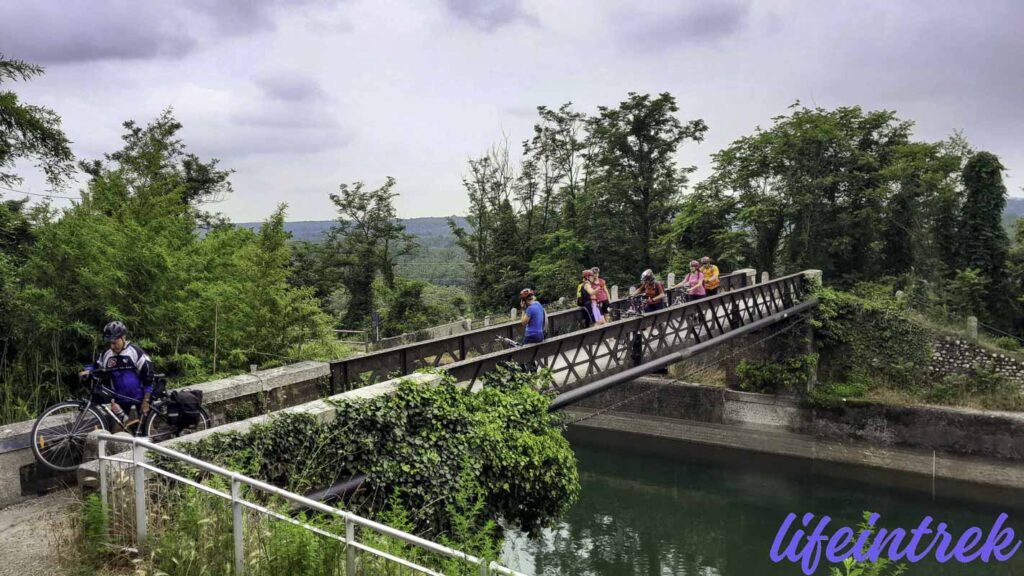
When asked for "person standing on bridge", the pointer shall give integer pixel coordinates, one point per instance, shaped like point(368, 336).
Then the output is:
point(533, 317)
point(693, 283)
point(603, 298)
point(653, 290)
point(710, 272)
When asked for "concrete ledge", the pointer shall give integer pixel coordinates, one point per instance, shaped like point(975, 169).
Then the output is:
point(777, 442)
point(227, 400)
point(957, 432)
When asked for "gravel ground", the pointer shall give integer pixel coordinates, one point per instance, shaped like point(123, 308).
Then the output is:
point(28, 532)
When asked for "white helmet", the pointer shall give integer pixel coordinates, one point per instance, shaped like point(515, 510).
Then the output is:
point(647, 275)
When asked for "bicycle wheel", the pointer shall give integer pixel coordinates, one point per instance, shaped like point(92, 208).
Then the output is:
point(58, 436)
point(159, 427)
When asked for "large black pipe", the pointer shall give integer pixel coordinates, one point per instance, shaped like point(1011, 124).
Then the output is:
point(571, 397)
point(339, 490)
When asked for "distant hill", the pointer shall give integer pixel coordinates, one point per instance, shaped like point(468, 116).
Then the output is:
point(314, 230)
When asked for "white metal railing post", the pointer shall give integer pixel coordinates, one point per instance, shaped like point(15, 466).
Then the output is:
point(139, 456)
point(350, 549)
point(101, 454)
point(237, 525)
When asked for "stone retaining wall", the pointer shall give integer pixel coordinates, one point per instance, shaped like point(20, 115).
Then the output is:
point(958, 356)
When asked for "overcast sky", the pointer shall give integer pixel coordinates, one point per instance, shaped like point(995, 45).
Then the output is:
point(300, 96)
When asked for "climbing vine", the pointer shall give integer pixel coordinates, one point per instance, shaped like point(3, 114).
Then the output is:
point(858, 336)
point(439, 452)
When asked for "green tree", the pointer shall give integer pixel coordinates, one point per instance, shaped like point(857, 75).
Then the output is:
point(30, 132)
point(493, 243)
point(366, 240)
point(984, 242)
point(634, 149)
point(811, 189)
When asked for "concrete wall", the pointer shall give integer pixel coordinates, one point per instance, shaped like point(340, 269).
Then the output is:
point(957, 355)
point(962, 444)
point(228, 400)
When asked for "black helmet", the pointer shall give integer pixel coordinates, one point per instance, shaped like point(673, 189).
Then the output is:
point(114, 330)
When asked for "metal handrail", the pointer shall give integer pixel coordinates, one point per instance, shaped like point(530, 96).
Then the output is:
point(404, 359)
point(138, 462)
point(601, 351)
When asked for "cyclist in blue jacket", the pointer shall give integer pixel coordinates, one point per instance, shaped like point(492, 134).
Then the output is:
point(533, 317)
point(129, 367)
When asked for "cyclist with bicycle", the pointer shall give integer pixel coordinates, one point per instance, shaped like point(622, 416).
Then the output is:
point(533, 317)
point(656, 298)
point(129, 369)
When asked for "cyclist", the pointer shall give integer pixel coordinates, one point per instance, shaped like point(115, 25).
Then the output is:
point(130, 370)
point(583, 299)
point(533, 317)
point(653, 290)
point(710, 272)
point(693, 283)
point(603, 298)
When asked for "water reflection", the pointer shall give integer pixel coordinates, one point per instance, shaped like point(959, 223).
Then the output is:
point(649, 509)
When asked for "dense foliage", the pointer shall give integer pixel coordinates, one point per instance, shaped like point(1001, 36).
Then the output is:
point(436, 449)
point(131, 250)
point(589, 190)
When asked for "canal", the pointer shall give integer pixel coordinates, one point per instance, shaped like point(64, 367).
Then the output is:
point(649, 507)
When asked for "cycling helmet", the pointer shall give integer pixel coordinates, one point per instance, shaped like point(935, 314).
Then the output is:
point(694, 263)
point(526, 293)
point(114, 330)
point(705, 260)
point(587, 274)
point(647, 276)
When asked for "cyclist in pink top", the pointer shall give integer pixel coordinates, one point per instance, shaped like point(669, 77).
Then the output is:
point(693, 283)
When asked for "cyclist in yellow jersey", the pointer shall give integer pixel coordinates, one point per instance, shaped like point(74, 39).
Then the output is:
point(710, 272)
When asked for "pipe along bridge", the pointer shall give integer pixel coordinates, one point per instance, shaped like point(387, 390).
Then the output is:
point(585, 361)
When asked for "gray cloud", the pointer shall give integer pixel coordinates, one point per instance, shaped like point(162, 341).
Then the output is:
point(705, 21)
point(290, 88)
point(58, 31)
point(489, 15)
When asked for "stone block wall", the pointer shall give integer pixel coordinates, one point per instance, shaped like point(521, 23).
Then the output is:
point(957, 356)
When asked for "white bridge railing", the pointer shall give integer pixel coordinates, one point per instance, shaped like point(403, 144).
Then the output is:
point(140, 466)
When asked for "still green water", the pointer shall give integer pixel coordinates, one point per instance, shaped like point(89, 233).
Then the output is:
point(658, 508)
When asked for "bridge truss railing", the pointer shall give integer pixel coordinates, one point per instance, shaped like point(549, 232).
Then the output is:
point(584, 356)
point(358, 371)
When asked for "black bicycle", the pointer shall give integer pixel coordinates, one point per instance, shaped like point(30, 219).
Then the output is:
point(59, 434)
point(530, 366)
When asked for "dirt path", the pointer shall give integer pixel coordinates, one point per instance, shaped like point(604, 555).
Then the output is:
point(28, 532)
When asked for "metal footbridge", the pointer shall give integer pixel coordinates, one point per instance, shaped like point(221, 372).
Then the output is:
point(578, 356)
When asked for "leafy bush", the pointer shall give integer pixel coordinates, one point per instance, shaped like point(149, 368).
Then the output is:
point(1008, 343)
point(789, 374)
point(423, 445)
point(981, 384)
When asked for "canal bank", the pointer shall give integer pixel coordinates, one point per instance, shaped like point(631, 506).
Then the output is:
point(974, 446)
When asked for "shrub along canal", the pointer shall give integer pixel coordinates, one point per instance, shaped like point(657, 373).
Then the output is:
point(654, 507)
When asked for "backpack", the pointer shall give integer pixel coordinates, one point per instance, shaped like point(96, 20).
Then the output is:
point(189, 403)
point(582, 296)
